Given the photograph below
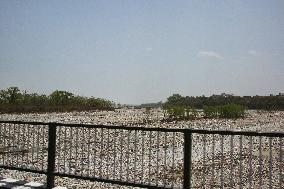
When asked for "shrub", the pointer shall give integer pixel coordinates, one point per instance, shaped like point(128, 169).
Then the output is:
point(226, 111)
point(181, 112)
point(210, 111)
point(231, 111)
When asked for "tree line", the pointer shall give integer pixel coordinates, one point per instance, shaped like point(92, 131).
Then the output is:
point(249, 102)
point(218, 106)
point(13, 99)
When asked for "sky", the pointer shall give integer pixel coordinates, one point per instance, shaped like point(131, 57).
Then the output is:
point(139, 51)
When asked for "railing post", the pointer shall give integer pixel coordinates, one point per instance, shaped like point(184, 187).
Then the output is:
point(51, 155)
point(187, 159)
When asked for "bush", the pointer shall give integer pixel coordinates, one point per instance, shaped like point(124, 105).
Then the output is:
point(210, 111)
point(231, 111)
point(226, 111)
point(181, 112)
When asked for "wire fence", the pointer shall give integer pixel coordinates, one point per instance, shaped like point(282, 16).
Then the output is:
point(144, 157)
point(237, 161)
point(147, 157)
point(24, 146)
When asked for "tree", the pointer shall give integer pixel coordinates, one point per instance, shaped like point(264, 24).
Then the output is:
point(60, 98)
point(14, 100)
point(10, 96)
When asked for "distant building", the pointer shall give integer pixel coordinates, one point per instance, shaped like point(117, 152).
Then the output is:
point(280, 94)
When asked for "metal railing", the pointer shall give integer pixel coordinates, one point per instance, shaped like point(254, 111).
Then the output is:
point(144, 157)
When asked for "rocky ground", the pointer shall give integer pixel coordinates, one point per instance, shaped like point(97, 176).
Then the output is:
point(254, 120)
point(215, 163)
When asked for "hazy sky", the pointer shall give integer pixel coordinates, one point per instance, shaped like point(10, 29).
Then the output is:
point(136, 51)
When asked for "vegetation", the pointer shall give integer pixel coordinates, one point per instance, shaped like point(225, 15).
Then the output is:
point(180, 112)
point(226, 111)
point(219, 106)
point(250, 102)
point(14, 100)
point(151, 105)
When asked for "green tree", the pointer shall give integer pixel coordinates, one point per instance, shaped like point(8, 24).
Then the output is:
point(61, 98)
point(10, 96)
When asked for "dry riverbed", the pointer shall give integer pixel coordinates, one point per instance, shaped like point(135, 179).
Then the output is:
point(262, 121)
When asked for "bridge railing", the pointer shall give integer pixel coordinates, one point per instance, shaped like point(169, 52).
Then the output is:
point(144, 157)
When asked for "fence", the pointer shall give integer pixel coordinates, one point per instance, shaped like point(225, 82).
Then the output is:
point(144, 157)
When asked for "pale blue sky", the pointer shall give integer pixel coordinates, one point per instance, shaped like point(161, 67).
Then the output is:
point(135, 51)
